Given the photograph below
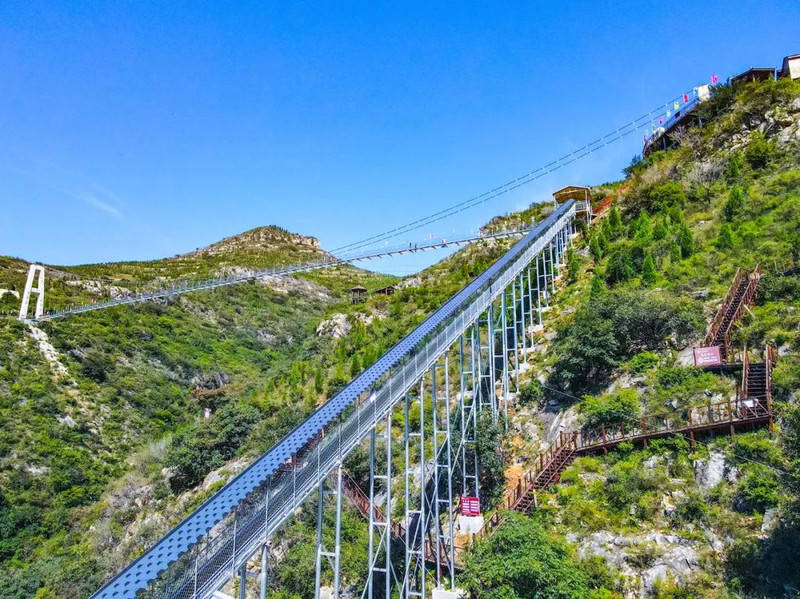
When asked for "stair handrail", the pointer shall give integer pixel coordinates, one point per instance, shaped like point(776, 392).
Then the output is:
point(770, 357)
point(720, 315)
point(745, 372)
point(748, 298)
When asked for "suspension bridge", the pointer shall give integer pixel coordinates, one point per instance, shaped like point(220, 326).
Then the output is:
point(187, 286)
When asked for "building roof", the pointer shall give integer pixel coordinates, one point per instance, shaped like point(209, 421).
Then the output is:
point(571, 192)
point(358, 288)
point(754, 73)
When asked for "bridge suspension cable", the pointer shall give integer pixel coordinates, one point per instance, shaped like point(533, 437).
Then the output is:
point(532, 175)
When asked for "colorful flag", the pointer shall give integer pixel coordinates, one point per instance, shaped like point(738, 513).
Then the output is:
point(661, 120)
point(714, 79)
point(685, 98)
point(676, 105)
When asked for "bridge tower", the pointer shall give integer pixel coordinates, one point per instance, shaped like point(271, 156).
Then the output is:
point(29, 288)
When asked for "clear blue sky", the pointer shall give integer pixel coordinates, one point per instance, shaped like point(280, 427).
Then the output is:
point(135, 130)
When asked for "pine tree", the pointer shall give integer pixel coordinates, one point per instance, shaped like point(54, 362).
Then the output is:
point(318, 380)
point(660, 231)
point(598, 288)
point(725, 237)
point(643, 228)
point(605, 228)
point(685, 241)
point(734, 204)
point(675, 253)
point(615, 221)
point(355, 365)
point(649, 273)
point(594, 247)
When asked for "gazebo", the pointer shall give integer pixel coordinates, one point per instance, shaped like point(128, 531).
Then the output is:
point(581, 195)
point(358, 294)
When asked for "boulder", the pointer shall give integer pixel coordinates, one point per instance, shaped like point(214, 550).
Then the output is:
point(709, 473)
point(337, 326)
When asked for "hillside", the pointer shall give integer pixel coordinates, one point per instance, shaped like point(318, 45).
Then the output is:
point(106, 445)
point(719, 518)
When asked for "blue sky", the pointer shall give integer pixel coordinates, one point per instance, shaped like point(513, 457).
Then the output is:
point(136, 130)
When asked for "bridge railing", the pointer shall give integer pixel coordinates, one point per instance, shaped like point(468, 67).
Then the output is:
point(208, 547)
point(188, 286)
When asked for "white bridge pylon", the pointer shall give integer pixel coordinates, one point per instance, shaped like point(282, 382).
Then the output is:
point(422, 402)
point(29, 288)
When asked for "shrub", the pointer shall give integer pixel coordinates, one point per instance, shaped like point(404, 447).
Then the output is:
point(759, 151)
point(643, 361)
point(530, 393)
point(649, 273)
point(666, 195)
point(522, 560)
point(685, 241)
point(725, 238)
point(95, 366)
point(199, 448)
point(758, 489)
point(620, 406)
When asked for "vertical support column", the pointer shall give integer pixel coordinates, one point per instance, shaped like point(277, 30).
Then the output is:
point(551, 272)
point(29, 288)
point(504, 347)
point(538, 291)
point(443, 473)
point(414, 579)
point(380, 524)
point(320, 546)
point(523, 326)
point(372, 523)
point(333, 557)
point(468, 411)
point(264, 571)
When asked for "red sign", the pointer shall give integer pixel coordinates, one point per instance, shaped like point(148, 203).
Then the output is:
point(470, 506)
point(707, 356)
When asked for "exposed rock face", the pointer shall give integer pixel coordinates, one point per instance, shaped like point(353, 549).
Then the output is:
point(709, 473)
point(267, 238)
point(48, 351)
point(212, 380)
point(99, 288)
point(670, 556)
point(337, 326)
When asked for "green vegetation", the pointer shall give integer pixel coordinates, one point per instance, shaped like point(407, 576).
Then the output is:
point(522, 560)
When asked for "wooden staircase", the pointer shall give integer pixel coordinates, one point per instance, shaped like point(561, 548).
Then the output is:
point(549, 475)
point(741, 293)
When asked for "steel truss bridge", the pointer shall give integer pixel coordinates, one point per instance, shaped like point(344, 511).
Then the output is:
point(422, 398)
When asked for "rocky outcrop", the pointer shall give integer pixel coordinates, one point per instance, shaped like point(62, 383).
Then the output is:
point(644, 559)
point(708, 473)
point(337, 326)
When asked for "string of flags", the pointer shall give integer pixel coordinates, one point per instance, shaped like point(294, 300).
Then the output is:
point(669, 110)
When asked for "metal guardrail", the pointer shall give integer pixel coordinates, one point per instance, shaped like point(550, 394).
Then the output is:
point(208, 546)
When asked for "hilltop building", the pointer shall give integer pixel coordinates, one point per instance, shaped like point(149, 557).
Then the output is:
point(790, 67)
